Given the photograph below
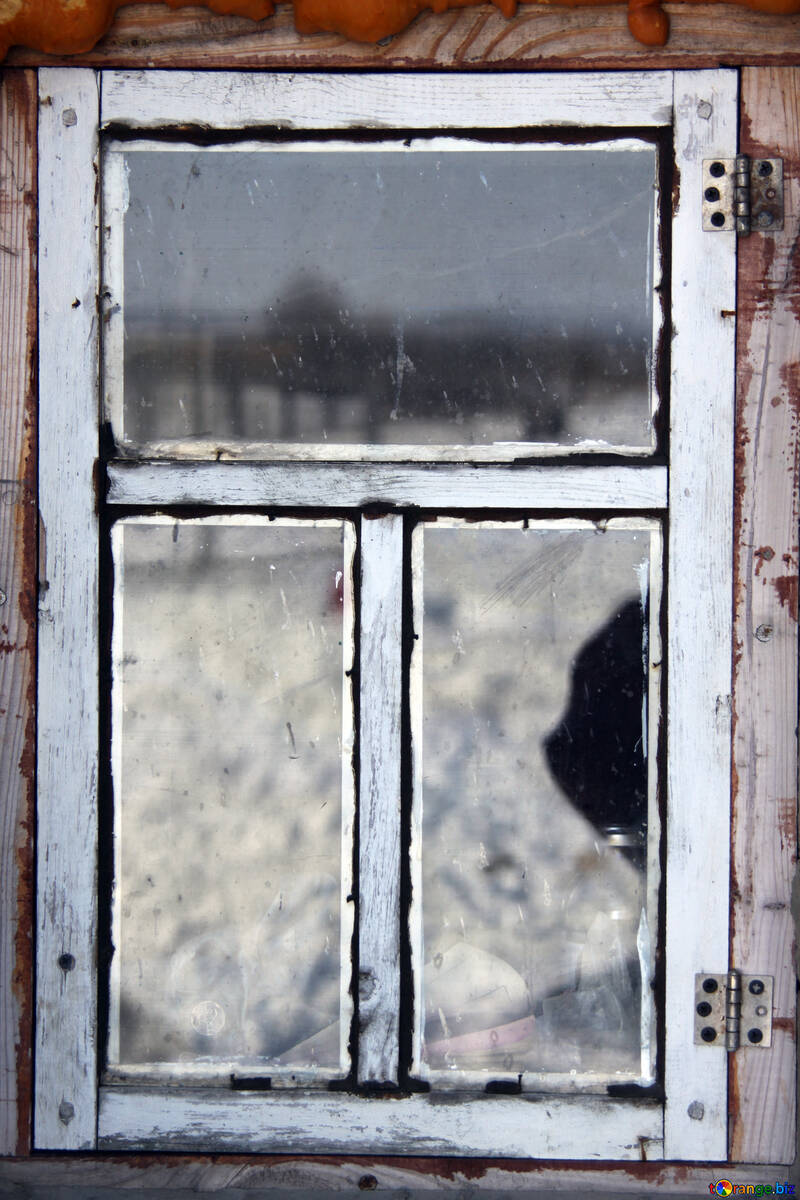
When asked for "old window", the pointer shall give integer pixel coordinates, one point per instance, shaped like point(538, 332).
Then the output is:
point(409, 392)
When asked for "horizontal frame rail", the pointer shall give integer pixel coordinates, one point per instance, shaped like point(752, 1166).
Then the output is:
point(358, 484)
point(148, 100)
point(486, 1126)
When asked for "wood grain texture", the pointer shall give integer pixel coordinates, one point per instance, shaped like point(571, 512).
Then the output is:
point(703, 35)
point(352, 486)
point(379, 799)
point(151, 99)
point(67, 702)
point(410, 1177)
point(765, 698)
point(546, 1127)
point(699, 592)
point(18, 106)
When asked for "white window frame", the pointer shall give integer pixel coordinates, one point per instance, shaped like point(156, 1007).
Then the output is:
point(71, 1112)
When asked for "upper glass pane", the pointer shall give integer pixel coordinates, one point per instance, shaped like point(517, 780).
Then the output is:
point(232, 731)
point(438, 299)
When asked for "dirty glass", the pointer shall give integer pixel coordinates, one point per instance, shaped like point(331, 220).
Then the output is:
point(230, 726)
point(534, 758)
point(442, 292)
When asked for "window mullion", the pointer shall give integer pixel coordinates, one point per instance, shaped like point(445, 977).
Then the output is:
point(379, 799)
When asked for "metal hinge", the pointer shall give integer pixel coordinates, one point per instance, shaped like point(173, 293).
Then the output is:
point(725, 1005)
point(742, 193)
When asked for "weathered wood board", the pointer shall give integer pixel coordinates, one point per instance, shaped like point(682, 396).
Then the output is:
point(68, 677)
point(762, 1083)
point(698, 617)
point(702, 35)
point(18, 536)
point(379, 803)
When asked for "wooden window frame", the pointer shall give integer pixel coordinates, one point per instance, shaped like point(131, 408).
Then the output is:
point(700, 549)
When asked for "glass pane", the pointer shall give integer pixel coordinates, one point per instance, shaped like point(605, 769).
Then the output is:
point(537, 809)
point(230, 638)
point(443, 293)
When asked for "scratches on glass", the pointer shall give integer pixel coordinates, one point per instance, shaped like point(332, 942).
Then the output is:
point(288, 300)
point(535, 825)
point(231, 743)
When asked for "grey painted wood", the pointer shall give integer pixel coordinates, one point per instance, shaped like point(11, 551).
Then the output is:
point(496, 1126)
point(338, 486)
point(148, 99)
point(379, 799)
point(65, 1079)
point(699, 617)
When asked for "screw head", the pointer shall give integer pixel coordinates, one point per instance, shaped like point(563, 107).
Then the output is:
point(764, 168)
point(717, 169)
point(756, 987)
point(711, 194)
point(755, 1036)
point(710, 985)
point(708, 1034)
point(703, 1008)
point(718, 219)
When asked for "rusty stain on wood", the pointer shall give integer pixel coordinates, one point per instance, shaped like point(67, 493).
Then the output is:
point(786, 587)
point(761, 1088)
point(18, 317)
point(787, 821)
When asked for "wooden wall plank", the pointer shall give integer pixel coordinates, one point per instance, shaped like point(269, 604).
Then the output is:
point(409, 1177)
point(699, 592)
point(18, 109)
point(67, 697)
point(765, 747)
point(702, 35)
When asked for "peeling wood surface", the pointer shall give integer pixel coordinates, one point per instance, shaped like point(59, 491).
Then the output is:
point(699, 617)
point(146, 100)
point(705, 35)
point(18, 105)
point(379, 799)
point(67, 730)
point(358, 484)
point(765, 745)
point(546, 1127)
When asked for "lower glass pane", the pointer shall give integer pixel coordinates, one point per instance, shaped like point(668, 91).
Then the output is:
point(231, 635)
point(535, 680)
